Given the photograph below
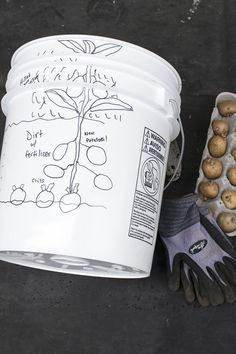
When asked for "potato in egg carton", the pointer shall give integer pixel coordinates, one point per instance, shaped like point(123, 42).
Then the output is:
point(216, 185)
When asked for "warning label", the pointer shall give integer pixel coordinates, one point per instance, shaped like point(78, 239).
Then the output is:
point(146, 198)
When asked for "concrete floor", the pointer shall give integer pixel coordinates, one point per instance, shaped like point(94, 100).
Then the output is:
point(45, 312)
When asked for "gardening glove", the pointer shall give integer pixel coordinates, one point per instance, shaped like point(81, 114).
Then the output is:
point(200, 256)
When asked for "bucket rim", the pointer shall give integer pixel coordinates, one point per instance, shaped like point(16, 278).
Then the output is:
point(30, 263)
point(14, 92)
point(146, 77)
point(127, 44)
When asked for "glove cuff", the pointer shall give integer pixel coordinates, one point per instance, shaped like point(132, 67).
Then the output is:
point(178, 214)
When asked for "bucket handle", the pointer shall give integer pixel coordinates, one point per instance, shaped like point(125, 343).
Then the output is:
point(175, 109)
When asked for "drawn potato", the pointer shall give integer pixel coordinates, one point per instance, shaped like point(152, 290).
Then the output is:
point(18, 195)
point(71, 200)
point(45, 198)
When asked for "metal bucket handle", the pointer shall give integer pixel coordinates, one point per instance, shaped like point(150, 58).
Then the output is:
point(176, 111)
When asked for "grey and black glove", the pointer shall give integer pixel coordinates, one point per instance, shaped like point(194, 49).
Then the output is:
point(200, 256)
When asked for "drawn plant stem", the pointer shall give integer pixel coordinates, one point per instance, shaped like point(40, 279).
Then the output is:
point(81, 116)
point(77, 152)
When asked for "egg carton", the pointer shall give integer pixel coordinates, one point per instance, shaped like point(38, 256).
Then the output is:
point(216, 205)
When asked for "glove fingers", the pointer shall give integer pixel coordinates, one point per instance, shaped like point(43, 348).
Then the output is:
point(202, 296)
point(216, 295)
point(231, 267)
point(230, 276)
point(174, 275)
point(174, 280)
point(227, 288)
point(233, 242)
point(230, 261)
point(187, 284)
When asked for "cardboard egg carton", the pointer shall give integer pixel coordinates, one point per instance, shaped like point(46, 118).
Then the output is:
point(216, 205)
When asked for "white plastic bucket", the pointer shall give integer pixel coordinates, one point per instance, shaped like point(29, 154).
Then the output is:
point(88, 128)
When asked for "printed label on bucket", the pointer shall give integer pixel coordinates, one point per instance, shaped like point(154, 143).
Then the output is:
point(147, 191)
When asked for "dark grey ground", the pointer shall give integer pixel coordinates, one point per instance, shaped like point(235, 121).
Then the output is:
point(45, 312)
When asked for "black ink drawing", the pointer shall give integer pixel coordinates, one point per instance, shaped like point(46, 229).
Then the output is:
point(71, 200)
point(89, 47)
point(96, 155)
point(18, 195)
point(92, 99)
point(86, 47)
point(89, 101)
point(45, 198)
point(53, 171)
point(103, 182)
point(61, 73)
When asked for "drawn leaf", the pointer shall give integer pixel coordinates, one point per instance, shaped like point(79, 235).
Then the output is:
point(76, 188)
point(89, 46)
point(110, 104)
point(61, 99)
point(50, 187)
point(107, 49)
point(60, 151)
point(75, 46)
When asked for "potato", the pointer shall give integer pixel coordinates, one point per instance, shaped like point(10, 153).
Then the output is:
point(231, 175)
point(227, 108)
point(220, 127)
point(208, 189)
point(212, 168)
point(229, 199)
point(227, 221)
point(217, 146)
point(233, 153)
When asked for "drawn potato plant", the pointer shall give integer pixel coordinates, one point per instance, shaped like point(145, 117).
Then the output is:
point(94, 98)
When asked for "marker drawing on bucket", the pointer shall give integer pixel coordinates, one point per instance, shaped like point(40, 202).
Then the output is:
point(88, 128)
point(88, 104)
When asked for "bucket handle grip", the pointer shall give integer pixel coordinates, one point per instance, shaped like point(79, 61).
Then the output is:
point(175, 109)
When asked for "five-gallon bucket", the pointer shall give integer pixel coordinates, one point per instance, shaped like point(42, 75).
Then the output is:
point(86, 141)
